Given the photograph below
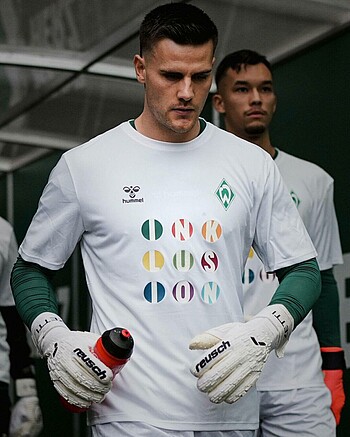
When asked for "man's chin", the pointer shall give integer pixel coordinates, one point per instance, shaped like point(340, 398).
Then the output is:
point(255, 130)
point(182, 127)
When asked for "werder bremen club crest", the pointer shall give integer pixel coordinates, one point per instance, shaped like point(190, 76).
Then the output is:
point(225, 194)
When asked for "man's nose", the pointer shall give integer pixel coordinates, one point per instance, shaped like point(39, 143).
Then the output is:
point(255, 97)
point(186, 90)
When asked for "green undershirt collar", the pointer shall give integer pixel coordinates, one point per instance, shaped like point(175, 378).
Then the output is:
point(202, 124)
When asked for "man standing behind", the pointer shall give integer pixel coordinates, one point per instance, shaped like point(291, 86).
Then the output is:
point(293, 399)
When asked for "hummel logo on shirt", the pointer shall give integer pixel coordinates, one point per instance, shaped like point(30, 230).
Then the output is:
point(132, 191)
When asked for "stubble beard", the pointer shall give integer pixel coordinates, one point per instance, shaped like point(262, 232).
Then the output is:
point(255, 130)
point(175, 125)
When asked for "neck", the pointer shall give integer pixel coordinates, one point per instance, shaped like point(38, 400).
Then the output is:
point(265, 143)
point(261, 140)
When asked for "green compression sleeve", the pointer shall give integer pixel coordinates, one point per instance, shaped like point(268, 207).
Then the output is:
point(326, 311)
point(299, 289)
point(32, 290)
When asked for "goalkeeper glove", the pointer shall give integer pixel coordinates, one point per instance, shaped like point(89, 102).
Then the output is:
point(77, 374)
point(333, 365)
point(238, 351)
point(26, 418)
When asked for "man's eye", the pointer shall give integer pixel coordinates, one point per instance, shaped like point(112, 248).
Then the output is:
point(241, 90)
point(267, 89)
point(172, 76)
point(200, 77)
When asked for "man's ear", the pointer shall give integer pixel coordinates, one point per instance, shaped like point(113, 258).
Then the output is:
point(218, 103)
point(139, 64)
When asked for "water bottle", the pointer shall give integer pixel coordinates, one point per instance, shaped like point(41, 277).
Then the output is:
point(114, 349)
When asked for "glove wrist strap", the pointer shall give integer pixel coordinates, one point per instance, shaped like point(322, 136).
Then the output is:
point(333, 358)
point(41, 327)
point(282, 323)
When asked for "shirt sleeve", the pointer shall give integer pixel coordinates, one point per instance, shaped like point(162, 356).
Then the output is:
point(324, 231)
point(57, 217)
point(280, 238)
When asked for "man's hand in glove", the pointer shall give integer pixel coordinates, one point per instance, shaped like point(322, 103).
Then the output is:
point(236, 353)
point(77, 374)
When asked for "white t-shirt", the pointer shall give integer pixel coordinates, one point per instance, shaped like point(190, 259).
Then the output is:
point(312, 191)
point(8, 256)
point(165, 230)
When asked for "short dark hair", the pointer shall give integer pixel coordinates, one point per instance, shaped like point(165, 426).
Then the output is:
point(239, 59)
point(182, 23)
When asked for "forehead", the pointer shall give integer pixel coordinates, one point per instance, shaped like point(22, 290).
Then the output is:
point(168, 55)
point(251, 74)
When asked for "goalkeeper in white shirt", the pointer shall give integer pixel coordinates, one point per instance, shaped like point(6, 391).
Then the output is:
point(165, 208)
point(292, 392)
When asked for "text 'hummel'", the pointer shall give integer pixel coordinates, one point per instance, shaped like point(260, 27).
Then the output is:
point(89, 363)
point(219, 350)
